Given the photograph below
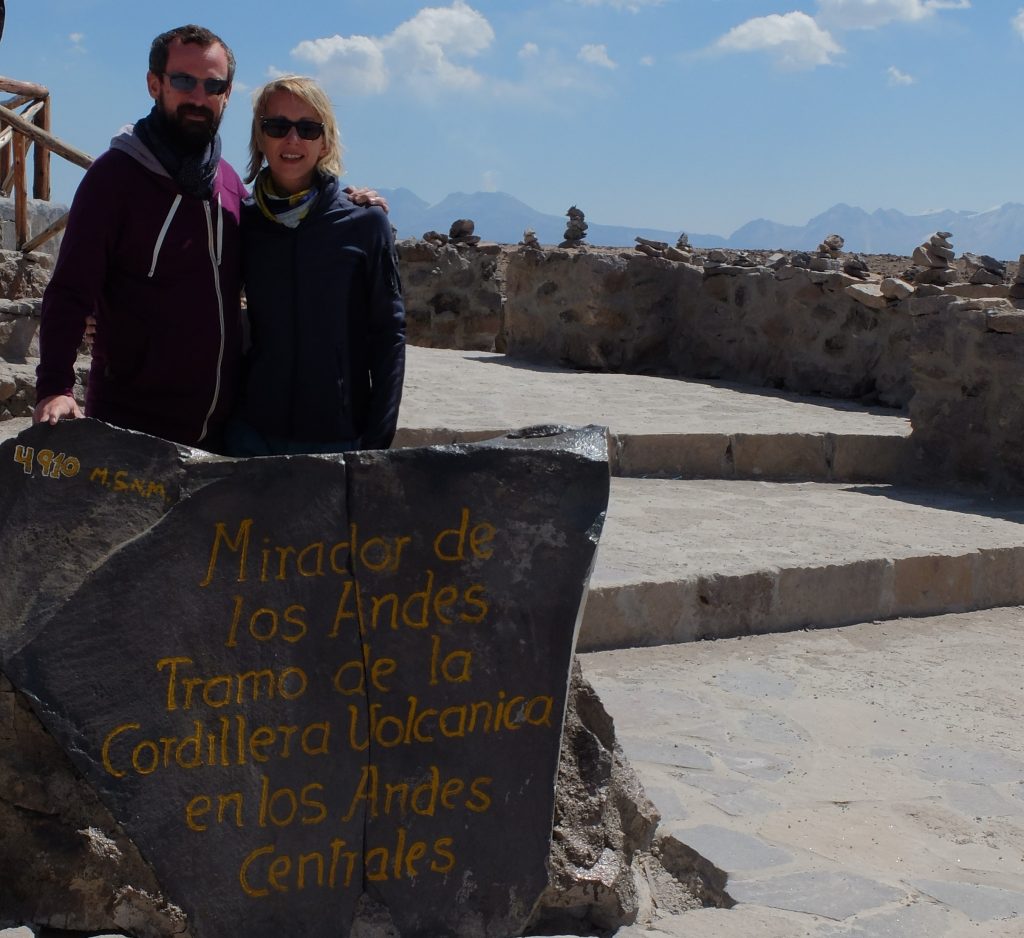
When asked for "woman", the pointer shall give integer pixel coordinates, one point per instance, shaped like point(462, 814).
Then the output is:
point(325, 370)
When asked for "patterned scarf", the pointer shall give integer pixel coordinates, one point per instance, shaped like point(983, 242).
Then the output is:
point(193, 172)
point(287, 210)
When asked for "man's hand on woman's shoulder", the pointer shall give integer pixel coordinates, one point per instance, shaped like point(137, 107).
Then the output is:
point(363, 196)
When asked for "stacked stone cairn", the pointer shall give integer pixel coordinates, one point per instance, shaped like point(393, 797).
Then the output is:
point(826, 256)
point(530, 240)
point(984, 269)
point(576, 230)
point(461, 232)
point(1017, 287)
point(933, 261)
point(436, 238)
point(682, 251)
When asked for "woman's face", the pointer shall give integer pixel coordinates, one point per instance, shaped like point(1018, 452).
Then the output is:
point(291, 159)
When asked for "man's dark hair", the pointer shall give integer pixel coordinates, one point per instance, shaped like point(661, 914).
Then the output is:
point(185, 35)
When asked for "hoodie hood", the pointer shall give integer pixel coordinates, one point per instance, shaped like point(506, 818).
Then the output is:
point(127, 141)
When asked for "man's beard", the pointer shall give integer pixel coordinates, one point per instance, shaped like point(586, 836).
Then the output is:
point(187, 134)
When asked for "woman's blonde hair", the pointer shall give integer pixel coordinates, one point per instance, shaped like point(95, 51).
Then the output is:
point(315, 96)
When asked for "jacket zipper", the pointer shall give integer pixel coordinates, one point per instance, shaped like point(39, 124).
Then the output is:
point(214, 260)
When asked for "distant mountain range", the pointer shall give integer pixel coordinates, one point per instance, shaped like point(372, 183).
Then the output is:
point(502, 217)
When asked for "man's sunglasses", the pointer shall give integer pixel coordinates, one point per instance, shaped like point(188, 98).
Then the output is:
point(278, 127)
point(181, 81)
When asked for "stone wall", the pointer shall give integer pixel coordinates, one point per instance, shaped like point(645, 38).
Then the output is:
point(967, 411)
point(453, 295)
point(22, 281)
point(40, 215)
point(594, 311)
point(792, 328)
point(796, 329)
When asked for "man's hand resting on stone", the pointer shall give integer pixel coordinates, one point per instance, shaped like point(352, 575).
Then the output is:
point(56, 407)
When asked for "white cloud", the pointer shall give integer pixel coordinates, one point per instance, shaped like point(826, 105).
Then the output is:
point(596, 54)
point(1018, 22)
point(489, 181)
point(420, 50)
point(355, 64)
point(896, 77)
point(530, 50)
point(795, 40)
point(633, 6)
point(871, 14)
point(647, 60)
point(76, 38)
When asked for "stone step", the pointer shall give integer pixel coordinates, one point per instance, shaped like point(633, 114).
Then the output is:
point(732, 551)
point(682, 560)
point(658, 427)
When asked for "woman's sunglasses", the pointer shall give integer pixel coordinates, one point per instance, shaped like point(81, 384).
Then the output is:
point(278, 127)
point(182, 81)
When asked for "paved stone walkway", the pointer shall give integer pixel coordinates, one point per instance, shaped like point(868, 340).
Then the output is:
point(866, 781)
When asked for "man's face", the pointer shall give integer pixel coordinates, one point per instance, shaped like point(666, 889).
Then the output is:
point(195, 115)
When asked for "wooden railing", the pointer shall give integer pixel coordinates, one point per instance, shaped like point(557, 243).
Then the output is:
point(24, 123)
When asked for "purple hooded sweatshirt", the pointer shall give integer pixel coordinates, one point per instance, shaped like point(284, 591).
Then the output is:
point(160, 271)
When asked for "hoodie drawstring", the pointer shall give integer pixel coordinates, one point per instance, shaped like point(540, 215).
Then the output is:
point(163, 233)
point(220, 229)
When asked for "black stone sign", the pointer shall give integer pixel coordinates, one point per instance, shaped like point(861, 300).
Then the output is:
point(297, 680)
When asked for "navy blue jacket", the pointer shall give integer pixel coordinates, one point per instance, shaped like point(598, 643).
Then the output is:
point(328, 325)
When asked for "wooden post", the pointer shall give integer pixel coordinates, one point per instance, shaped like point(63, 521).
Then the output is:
point(21, 229)
point(41, 165)
point(6, 154)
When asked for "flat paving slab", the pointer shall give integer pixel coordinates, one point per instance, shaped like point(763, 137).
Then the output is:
point(479, 391)
point(858, 781)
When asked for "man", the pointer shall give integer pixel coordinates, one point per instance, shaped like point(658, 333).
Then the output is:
point(152, 250)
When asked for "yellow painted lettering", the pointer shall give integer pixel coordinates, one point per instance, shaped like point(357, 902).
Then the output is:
point(243, 873)
point(109, 741)
point(239, 545)
point(195, 809)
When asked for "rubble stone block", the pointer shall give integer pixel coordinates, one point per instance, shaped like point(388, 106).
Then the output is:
point(272, 646)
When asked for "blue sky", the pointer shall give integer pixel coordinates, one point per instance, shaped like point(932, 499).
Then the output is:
point(688, 115)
